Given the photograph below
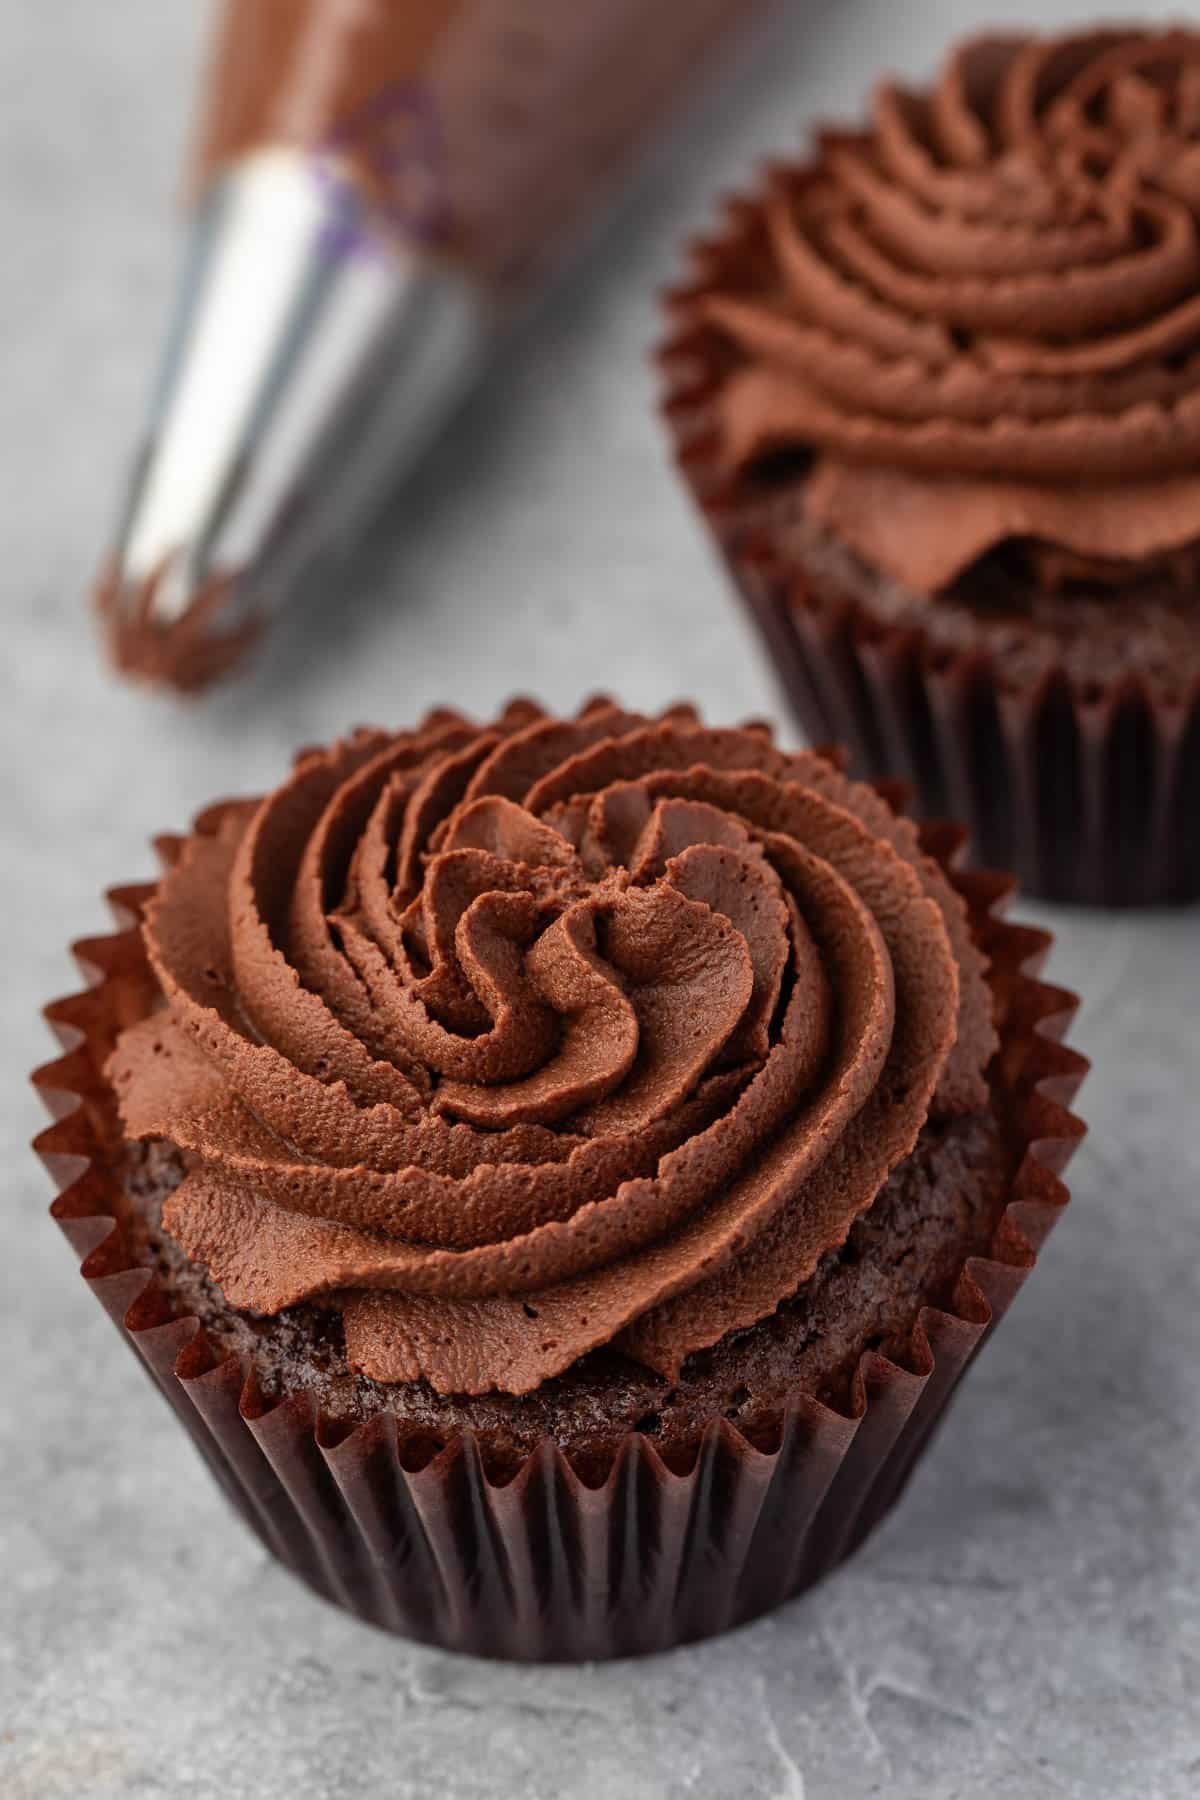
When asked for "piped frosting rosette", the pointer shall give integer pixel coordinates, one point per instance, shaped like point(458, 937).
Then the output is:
point(981, 312)
point(513, 1042)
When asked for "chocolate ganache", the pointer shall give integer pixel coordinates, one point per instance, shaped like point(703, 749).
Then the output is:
point(982, 313)
point(511, 1042)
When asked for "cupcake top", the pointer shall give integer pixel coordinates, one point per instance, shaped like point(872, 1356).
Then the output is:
point(981, 313)
point(511, 1042)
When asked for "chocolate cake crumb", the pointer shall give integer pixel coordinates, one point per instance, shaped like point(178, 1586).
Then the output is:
point(940, 1206)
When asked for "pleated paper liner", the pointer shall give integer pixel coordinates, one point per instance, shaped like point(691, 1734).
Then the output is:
point(1087, 793)
point(545, 1566)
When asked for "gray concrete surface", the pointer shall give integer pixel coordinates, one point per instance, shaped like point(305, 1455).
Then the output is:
point(1029, 1625)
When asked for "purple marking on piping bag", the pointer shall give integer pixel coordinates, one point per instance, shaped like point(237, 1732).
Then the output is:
point(397, 136)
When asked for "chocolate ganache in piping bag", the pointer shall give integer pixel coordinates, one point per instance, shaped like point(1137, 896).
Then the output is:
point(379, 184)
point(512, 1042)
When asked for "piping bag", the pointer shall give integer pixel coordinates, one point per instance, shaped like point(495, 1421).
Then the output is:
point(381, 185)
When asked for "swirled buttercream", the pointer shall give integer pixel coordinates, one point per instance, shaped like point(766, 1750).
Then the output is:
point(982, 313)
point(515, 1041)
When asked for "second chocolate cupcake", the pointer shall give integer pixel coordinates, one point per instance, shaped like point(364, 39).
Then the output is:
point(938, 390)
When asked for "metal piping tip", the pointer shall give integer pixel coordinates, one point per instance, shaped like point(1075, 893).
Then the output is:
point(167, 647)
point(311, 358)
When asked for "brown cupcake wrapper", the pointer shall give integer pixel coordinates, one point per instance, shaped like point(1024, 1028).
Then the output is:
point(1086, 793)
point(543, 1566)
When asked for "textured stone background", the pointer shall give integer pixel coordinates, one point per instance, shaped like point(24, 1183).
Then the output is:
point(1029, 1624)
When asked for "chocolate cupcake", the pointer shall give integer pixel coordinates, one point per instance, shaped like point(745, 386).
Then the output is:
point(558, 1170)
point(938, 391)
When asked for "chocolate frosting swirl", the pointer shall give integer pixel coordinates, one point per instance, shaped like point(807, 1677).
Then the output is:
point(982, 313)
point(517, 1041)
